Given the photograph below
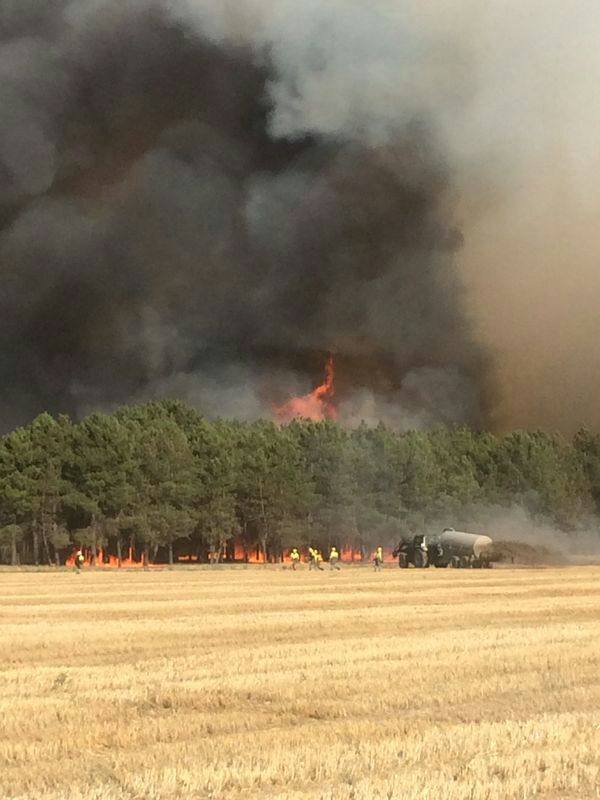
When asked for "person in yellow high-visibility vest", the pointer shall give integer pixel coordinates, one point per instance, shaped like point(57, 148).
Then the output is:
point(312, 559)
point(318, 560)
point(79, 561)
point(378, 559)
point(295, 557)
point(334, 558)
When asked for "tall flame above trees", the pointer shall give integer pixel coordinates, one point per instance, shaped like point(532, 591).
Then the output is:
point(317, 405)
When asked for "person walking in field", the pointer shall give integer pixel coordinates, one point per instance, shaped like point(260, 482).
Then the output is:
point(295, 557)
point(79, 560)
point(378, 559)
point(312, 559)
point(334, 558)
point(319, 560)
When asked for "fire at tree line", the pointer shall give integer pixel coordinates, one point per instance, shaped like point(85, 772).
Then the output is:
point(159, 483)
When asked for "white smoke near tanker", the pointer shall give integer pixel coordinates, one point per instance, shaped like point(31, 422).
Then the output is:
point(513, 526)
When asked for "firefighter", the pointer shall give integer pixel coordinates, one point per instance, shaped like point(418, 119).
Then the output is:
point(79, 559)
point(295, 556)
point(319, 560)
point(334, 558)
point(312, 561)
point(378, 559)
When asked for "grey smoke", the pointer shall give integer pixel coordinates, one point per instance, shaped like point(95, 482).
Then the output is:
point(204, 199)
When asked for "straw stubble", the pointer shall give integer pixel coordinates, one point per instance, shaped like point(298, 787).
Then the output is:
point(263, 683)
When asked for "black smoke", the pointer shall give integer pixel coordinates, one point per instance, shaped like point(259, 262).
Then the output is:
point(163, 232)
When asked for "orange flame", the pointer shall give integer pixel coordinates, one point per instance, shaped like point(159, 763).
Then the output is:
point(112, 563)
point(349, 555)
point(317, 405)
point(252, 555)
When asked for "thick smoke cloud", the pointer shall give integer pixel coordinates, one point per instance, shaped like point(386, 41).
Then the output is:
point(531, 204)
point(202, 199)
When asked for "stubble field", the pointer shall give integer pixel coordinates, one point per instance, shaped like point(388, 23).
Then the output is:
point(264, 683)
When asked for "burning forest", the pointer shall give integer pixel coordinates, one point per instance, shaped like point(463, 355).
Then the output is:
point(160, 484)
point(253, 226)
point(201, 200)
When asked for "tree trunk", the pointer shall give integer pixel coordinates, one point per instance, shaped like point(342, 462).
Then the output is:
point(36, 544)
point(14, 559)
point(223, 548)
point(44, 517)
point(263, 548)
point(46, 546)
point(51, 547)
point(146, 555)
point(263, 514)
point(245, 541)
point(119, 553)
point(170, 553)
point(94, 551)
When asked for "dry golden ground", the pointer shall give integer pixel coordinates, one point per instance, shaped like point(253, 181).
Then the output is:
point(264, 683)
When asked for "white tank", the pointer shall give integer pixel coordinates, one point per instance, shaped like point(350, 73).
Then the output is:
point(461, 543)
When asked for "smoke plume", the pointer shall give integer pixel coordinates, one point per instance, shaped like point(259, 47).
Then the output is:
point(204, 199)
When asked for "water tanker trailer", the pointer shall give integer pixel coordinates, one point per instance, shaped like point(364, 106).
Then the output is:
point(449, 548)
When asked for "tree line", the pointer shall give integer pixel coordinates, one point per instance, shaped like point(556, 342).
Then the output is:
point(163, 482)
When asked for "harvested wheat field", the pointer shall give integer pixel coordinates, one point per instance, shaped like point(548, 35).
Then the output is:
point(264, 683)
